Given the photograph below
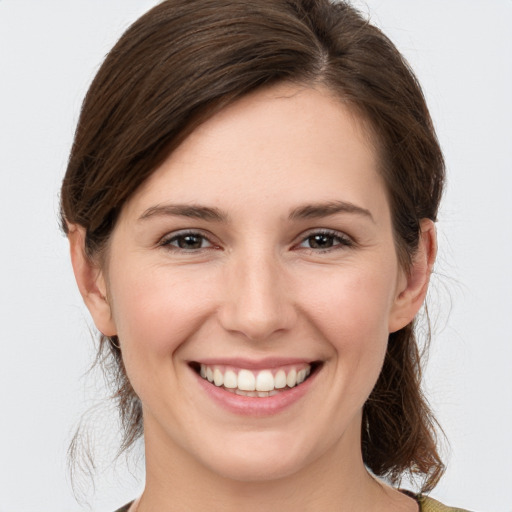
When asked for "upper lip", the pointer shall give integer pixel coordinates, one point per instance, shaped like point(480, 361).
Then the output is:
point(254, 364)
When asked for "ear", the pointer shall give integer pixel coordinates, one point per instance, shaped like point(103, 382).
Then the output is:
point(413, 286)
point(91, 282)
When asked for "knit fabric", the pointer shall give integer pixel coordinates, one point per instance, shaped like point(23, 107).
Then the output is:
point(431, 505)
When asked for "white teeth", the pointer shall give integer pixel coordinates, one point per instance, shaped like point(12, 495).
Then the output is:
point(230, 380)
point(301, 376)
point(246, 393)
point(280, 380)
point(246, 380)
point(218, 378)
point(251, 383)
point(291, 378)
point(265, 381)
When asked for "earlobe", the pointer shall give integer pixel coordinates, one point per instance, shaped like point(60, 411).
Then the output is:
point(91, 282)
point(413, 289)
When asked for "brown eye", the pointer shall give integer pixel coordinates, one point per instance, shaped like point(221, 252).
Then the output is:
point(325, 241)
point(187, 242)
point(320, 241)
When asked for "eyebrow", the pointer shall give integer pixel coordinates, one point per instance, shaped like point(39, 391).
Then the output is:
point(308, 211)
point(185, 210)
point(319, 210)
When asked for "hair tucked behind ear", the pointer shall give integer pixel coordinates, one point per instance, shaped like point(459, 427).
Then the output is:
point(184, 61)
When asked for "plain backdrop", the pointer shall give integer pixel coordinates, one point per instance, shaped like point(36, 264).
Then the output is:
point(461, 51)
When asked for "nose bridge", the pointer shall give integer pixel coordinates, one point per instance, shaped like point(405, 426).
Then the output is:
point(256, 302)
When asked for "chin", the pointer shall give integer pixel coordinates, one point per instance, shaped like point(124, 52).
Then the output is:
point(260, 457)
point(255, 469)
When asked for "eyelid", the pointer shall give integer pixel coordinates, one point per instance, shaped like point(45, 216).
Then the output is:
point(165, 241)
point(345, 241)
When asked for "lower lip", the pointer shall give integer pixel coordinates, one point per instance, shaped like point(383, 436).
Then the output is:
point(256, 406)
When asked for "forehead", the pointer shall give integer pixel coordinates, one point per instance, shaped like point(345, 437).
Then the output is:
point(284, 143)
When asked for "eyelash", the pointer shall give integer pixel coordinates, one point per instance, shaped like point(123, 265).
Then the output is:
point(338, 241)
point(167, 241)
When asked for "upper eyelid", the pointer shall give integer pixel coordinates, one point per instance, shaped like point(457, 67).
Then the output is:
point(325, 231)
point(183, 232)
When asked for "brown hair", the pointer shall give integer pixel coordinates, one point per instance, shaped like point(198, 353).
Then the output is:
point(185, 60)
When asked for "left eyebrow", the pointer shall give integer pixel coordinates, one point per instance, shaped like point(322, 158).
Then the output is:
point(319, 210)
point(185, 210)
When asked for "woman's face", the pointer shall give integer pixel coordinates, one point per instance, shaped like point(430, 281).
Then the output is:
point(260, 252)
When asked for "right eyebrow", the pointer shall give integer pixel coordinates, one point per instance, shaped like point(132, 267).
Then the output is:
point(185, 210)
point(319, 210)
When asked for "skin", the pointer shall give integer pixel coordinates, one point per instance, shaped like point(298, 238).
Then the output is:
point(255, 286)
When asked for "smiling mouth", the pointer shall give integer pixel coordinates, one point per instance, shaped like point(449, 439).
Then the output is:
point(256, 383)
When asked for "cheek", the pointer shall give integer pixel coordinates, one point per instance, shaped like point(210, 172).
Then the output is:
point(351, 311)
point(157, 309)
point(355, 301)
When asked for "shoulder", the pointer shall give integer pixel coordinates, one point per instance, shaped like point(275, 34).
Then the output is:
point(431, 505)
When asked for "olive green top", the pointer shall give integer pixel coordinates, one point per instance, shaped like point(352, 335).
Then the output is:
point(426, 505)
point(432, 505)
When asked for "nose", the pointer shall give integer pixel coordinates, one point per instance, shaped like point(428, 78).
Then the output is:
point(257, 300)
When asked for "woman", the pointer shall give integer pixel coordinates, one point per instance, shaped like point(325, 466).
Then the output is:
point(250, 203)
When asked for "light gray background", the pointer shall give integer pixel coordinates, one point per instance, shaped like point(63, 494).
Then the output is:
point(49, 51)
